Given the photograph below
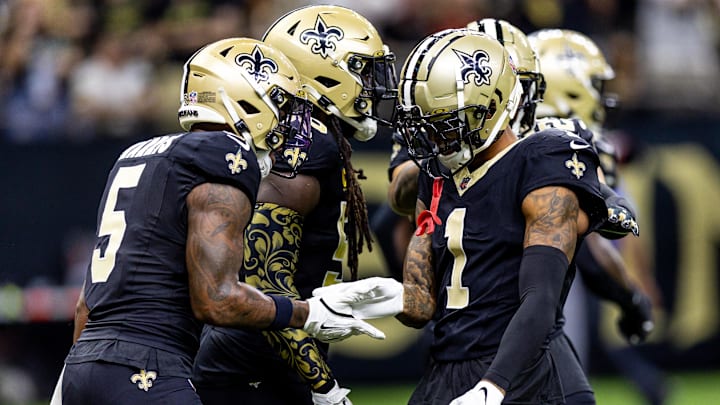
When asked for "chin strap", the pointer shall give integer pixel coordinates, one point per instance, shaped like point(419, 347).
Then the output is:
point(427, 219)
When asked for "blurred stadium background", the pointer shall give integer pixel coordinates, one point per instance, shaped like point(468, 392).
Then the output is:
point(82, 79)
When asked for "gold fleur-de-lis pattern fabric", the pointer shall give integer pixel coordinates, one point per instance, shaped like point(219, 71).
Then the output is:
point(272, 249)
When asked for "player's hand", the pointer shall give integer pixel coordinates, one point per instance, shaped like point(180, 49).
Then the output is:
point(370, 298)
point(621, 219)
point(330, 319)
point(636, 321)
point(484, 393)
point(624, 218)
point(336, 396)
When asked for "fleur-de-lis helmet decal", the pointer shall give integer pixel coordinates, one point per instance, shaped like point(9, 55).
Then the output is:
point(346, 68)
point(257, 64)
point(458, 90)
point(253, 89)
point(322, 38)
point(475, 65)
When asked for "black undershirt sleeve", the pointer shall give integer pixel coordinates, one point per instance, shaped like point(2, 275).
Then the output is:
point(599, 281)
point(542, 272)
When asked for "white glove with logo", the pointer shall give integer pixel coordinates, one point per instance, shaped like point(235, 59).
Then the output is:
point(330, 319)
point(336, 396)
point(484, 393)
point(375, 297)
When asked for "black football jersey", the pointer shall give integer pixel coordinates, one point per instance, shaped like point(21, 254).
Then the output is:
point(323, 248)
point(479, 245)
point(137, 284)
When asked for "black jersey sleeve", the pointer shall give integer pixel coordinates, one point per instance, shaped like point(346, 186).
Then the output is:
point(220, 157)
point(554, 158)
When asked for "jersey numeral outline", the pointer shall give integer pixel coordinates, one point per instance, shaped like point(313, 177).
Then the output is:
point(458, 295)
point(113, 224)
point(341, 249)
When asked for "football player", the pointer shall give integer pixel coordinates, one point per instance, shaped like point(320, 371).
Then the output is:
point(499, 223)
point(635, 322)
point(347, 71)
point(170, 235)
point(576, 72)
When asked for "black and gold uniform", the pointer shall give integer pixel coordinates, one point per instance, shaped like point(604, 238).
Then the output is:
point(478, 248)
point(241, 365)
point(136, 287)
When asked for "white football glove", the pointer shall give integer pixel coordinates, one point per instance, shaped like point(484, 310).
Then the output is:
point(330, 319)
point(484, 393)
point(336, 396)
point(370, 298)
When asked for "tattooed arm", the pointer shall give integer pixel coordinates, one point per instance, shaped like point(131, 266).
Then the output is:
point(403, 189)
point(553, 221)
point(419, 298)
point(217, 217)
point(553, 218)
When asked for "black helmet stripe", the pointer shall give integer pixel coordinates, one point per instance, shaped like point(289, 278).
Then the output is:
point(415, 60)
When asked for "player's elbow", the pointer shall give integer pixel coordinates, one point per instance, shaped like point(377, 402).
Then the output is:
point(412, 321)
point(211, 312)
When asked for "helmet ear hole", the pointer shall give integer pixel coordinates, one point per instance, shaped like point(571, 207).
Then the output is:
point(248, 108)
point(327, 82)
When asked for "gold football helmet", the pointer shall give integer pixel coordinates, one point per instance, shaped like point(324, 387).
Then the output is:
point(458, 90)
point(343, 61)
point(575, 70)
point(251, 87)
point(527, 64)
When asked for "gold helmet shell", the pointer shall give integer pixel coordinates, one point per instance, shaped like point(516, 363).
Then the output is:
point(575, 70)
point(527, 64)
point(460, 89)
point(341, 55)
point(241, 82)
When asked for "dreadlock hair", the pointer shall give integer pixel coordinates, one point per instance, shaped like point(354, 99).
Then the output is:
point(357, 229)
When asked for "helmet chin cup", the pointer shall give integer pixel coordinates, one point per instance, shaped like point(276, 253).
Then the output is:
point(264, 162)
point(365, 130)
point(456, 160)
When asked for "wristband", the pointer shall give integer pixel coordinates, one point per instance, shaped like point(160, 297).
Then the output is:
point(283, 312)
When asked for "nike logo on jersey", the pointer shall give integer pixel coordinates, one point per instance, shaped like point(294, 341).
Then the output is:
point(578, 146)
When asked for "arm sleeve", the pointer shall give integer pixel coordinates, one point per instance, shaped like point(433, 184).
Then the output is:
point(599, 280)
point(542, 272)
point(271, 254)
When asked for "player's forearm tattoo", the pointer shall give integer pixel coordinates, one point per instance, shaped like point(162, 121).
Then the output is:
point(552, 214)
point(418, 281)
point(217, 216)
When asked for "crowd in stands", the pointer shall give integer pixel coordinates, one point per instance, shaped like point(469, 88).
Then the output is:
point(76, 70)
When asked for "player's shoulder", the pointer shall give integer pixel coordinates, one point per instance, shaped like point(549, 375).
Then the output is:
point(213, 140)
point(217, 155)
point(324, 153)
point(572, 126)
point(552, 139)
